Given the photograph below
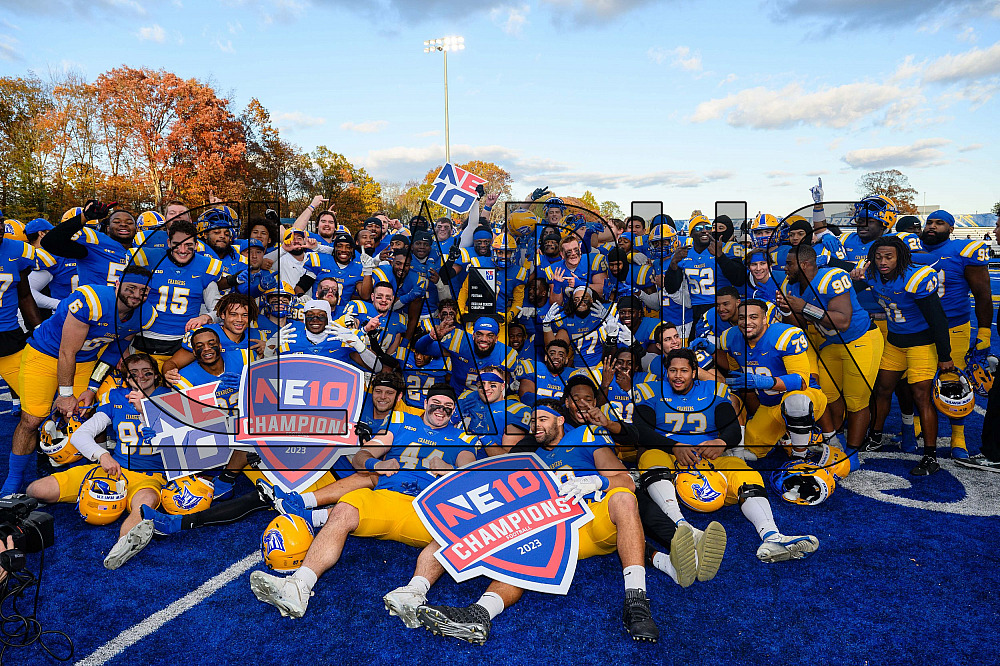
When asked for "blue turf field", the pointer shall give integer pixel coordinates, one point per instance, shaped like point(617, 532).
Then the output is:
point(890, 584)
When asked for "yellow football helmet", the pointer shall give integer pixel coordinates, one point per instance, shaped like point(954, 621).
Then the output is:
point(521, 222)
point(666, 234)
point(702, 490)
point(285, 541)
point(55, 441)
point(835, 460)
point(149, 220)
point(70, 214)
point(102, 499)
point(801, 482)
point(189, 494)
point(762, 228)
point(14, 229)
point(953, 395)
point(977, 369)
point(877, 206)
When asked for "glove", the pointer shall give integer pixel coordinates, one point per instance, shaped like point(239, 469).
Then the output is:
point(454, 252)
point(349, 338)
point(539, 193)
point(267, 281)
point(287, 334)
point(363, 431)
point(578, 487)
point(147, 434)
point(527, 312)
point(243, 276)
point(751, 381)
point(271, 214)
point(229, 381)
point(95, 210)
point(595, 226)
point(704, 344)
point(817, 191)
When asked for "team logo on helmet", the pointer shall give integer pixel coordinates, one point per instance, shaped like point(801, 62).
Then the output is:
point(978, 372)
point(953, 394)
point(701, 490)
point(273, 541)
point(285, 542)
point(879, 207)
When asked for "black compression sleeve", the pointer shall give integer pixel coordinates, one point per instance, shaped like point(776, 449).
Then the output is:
point(306, 282)
point(59, 241)
point(225, 512)
point(840, 263)
point(727, 423)
point(673, 279)
point(933, 312)
point(734, 270)
point(643, 421)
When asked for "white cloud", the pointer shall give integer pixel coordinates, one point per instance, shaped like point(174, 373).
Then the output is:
point(369, 127)
point(873, 14)
point(918, 154)
point(225, 46)
point(296, 120)
point(235, 28)
point(968, 35)
point(839, 107)
point(970, 147)
point(973, 64)
point(153, 33)
point(8, 48)
point(680, 58)
point(729, 79)
point(595, 180)
point(511, 18)
point(594, 11)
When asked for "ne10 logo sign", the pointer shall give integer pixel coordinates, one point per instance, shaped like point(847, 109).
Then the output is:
point(455, 188)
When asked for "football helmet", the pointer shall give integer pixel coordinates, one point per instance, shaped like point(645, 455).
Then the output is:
point(834, 459)
point(102, 499)
point(70, 214)
point(14, 229)
point(762, 228)
point(55, 441)
point(149, 220)
point(667, 235)
point(277, 308)
point(877, 206)
point(217, 218)
point(285, 541)
point(977, 369)
point(521, 222)
point(555, 202)
point(702, 490)
point(953, 395)
point(189, 494)
point(801, 482)
point(503, 243)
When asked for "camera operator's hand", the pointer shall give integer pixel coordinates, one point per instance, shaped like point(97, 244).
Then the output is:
point(110, 465)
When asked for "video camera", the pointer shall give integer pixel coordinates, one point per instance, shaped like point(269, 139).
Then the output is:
point(31, 530)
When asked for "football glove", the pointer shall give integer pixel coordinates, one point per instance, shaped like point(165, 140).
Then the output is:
point(95, 210)
point(579, 487)
point(539, 193)
point(287, 334)
point(817, 191)
point(229, 381)
point(363, 431)
point(348, 338)
point(703, 344)
point(751, 381)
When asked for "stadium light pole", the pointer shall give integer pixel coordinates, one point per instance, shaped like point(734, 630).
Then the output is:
point(444, 45)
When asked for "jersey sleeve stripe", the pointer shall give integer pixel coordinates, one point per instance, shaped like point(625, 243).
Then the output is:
point(919, 276)
point(971, 248)
point(824, 284)
point(93, 302)
point(785, 338)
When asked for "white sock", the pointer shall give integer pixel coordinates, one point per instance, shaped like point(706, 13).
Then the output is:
point(307, 576)
point(319, 517)
point(492, 602)
point(907, 419)
point(665, 497)
point(828, 436)
point(635, 577)
point(758, 511)
point(309, 499)
point(800, 440)
point(420, 583)
point(662, 562)
point(799, 452)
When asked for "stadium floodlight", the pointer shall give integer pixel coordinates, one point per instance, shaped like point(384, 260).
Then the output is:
point(444, 45)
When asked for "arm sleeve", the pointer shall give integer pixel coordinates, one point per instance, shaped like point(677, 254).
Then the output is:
point(644, 430)
point(728, 424)
point(37, 280)
point(933, 312)
point(734, 271)
point(60, 241)
point(85, 437)
point(673, 279)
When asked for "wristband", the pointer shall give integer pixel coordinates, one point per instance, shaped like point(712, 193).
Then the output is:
point(65, 391)
point(487, 208)
point(370, 464)
point(814, 312)
point(605, 481)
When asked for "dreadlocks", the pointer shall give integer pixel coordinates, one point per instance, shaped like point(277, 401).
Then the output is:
point(903, 257)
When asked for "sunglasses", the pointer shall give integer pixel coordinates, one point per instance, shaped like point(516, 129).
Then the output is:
point(438, 407)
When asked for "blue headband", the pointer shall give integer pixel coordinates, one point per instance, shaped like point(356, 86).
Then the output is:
point(490, 377)
point(547, 410)
point(135, 278)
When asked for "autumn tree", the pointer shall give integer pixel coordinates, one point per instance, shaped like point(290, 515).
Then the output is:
point(273, 167)
point(23, 100)
point(610, 209)
point(590, 201)
point(353, 193)
point(891, 183)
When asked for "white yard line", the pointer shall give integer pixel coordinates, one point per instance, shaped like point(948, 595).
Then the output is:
point(137, 632)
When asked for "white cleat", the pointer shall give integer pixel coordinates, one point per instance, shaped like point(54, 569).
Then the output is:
point(710, 546)
point(129, 545)
point(780, 548)
point(288, 594)
point(403, 603)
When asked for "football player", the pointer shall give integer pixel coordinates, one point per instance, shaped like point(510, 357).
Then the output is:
point(962, 267)
point(703, 267)
point(406, 459)
point(575, 269)
point(616, 526)
point(219, 228)
point(626, 278)
point(212, 365)
point(823, 301)
point(17, 261)
point(353, 275)
point(771, 363)
point(720, 318)
point(132, 457)
point(56, 273)
point(468, 353)
point(547, 380)
point(917, 342)
point(100, 257)
point(377, 316)
point(62, 356)
point(498, 421)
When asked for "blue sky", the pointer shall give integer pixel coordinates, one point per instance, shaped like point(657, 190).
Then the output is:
point(681, 101)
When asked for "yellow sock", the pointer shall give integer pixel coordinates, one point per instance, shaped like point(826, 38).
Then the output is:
point(957, 436)
point(916, 425)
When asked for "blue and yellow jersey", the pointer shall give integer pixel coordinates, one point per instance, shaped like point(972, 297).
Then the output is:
point(15, 256)
point(781, 350)
point(702, 275)
point(301, 344)
point(489, 421)
point(687, 418)
point(241, 346)
point(414, 443)
point(195, 375)
point(621, 402)
point(232, 262)
point(63, 272)
point(412, 287)
point(151, 246)
point(97, 306)
point(574, 456)
point(547, 383)
point(834, 248)
point(419, 379)
point(590, 265)
point(177, 292)
point(856, 252)
point(710, 326)
point(899, 297)
point(391, 324)
point(827, 285)
point(465, 362)
point(125, 431)
point(950, 259)
point(913, 241)
point(638, 280)
point(321, 266)
point(585, 335)
point(106, 258)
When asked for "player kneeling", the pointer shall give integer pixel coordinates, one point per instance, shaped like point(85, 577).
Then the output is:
point(691, 424)
point(616, 526)
point(128, 477)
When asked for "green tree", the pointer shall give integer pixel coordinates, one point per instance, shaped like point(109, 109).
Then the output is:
point(23, 100)
point(590, 201)
point(890, 183)
point(610, 209)
point(996, 209)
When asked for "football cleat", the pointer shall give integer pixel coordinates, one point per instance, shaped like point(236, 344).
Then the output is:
point(908, 440)
point(403, 603)
point(979, 461)
point(682, 555)
point(928, 465)
point(711, 548)
point(959, 453)
point(470, 624)
point(286, 593)
point(129, 545)
point(637, 617)
point(163, 523)
point(871, 444)
point(290, 504)
point(780, 548)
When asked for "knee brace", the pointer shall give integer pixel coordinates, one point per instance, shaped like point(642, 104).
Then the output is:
point(797, 410)
point(748, 490)
point(654, 474)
